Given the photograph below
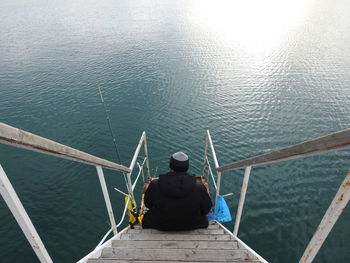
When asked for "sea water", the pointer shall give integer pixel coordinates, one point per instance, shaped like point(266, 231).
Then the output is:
point(259, 75)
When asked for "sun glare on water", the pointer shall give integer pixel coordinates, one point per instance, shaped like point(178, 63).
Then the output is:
point(255, 25)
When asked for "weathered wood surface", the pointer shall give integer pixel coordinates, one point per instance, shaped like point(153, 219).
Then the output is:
point(192, 232)
point(211, 225)
point(202, 245)
point(218, 244)
point(177, 254)
point(108, 260)
point(161, 237)
point(332, 142)
point(19, 138)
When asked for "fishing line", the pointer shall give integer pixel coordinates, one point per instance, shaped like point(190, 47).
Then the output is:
point(112, 134)
point(109, 125)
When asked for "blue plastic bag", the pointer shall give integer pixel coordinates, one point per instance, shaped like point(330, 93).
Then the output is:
point(222, 213)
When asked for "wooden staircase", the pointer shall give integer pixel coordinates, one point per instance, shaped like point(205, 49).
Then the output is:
point(214, 244)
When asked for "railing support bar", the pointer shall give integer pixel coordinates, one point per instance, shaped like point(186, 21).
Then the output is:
point(328, 221)
point(132, 164)
point(218, 180)
point(107, 200)
point(120, 191)
point(213, 151)
point(211, 173)
point(22, 218)
point(242, 199)
point(218, 184)
point(131, 192)
point(138, 175)
point(146, 153)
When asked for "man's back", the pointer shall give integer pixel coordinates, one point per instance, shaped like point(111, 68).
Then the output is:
point(176, 201)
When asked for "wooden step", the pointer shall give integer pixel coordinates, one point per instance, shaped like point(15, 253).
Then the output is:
point(209, 245)
point(190, 232)
point(220, 244)
point(213, 255)
point(212, 225)
point(174, 237)
point(109, 260)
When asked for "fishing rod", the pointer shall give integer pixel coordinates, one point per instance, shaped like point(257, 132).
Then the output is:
point(112, 135)
point(109, 124)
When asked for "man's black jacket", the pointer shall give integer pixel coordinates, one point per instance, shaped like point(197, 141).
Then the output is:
point(176, 201)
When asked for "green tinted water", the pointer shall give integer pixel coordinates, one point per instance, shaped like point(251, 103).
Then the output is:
point(258, 75)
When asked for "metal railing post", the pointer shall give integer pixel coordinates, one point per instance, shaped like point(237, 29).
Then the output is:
point(328, 221)
point(218, 180)
point(146, 153)
point(132, 164)
point(218, 183)
point(107, 200)
point(131, 192)
point(22, 218)
point(242, 199)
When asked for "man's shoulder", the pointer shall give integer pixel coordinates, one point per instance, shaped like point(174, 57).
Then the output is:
point(154, 181)
point(152, 187)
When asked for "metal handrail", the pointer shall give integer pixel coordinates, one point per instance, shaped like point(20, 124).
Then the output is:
point(138, 175)
point(143, 141)
point(13, 202)
point(216, 163)
point(19, 138)
point(133, 187)
point(332, 142)
point(211, 173)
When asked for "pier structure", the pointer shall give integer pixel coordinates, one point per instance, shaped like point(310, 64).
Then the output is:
point(215, 244)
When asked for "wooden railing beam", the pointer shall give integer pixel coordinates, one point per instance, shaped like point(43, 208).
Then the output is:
point(22, 139)
point(332, 142)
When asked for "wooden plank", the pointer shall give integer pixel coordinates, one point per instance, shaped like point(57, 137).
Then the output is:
point(176, 254)
point(19, 138)
point(173, 237)
point(219, 244)
point(96, 253)
point(191, 232)
point(109, 260)
point(212, 225)
point(332, 142)
point(242, 244)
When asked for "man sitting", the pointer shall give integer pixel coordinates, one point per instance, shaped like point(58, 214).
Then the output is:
point(176, 201)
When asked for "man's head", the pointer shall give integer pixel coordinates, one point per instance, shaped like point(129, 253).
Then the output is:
point(179, 162)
